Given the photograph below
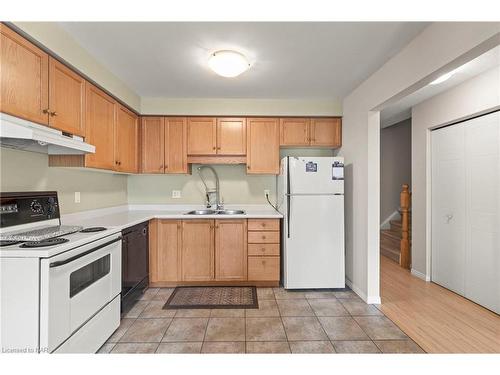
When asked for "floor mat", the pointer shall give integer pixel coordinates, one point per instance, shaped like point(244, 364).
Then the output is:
point(213, 297)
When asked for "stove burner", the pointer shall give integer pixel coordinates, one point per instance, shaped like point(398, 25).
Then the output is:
point(7, 243)
point(47, 242)
point(93, 229)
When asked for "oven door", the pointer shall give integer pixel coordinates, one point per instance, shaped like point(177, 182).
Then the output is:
point(75, 286)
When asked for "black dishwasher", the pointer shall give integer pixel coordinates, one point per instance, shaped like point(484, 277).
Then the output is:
point(135, 264)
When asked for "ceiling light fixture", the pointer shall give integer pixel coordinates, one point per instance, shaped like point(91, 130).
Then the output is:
point(228, 63)
point(443, 78)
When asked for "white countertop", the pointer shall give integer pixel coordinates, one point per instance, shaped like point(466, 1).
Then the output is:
point(126, 216)
point(118, 218)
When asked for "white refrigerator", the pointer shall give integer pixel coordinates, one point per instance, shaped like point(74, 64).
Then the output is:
point(311, 199)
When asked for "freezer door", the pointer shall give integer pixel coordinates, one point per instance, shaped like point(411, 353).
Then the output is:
point(316, 175)
point(314, 242)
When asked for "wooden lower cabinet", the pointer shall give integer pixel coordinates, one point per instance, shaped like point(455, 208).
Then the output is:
point(165, 250)
point(197, 257)
point(264, 250)
point(206, 252)
point(264, 268)
point(231, 250)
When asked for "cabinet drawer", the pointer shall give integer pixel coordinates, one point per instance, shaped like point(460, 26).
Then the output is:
point(264, 249)
point(263, 268)
point(263, 237)
point(263, 224)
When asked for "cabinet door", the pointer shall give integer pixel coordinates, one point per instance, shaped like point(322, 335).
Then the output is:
point(152, 144)
point(263, 146)
point(126, 141)
point(100, 128)
point(326, 132)
point(24, 83)
point(202, 136)
point(230, 250)
point(165, 250)
point(176, 145)
point(197, 250)
point(294, 132)
point(231, 136)
point(66, 99)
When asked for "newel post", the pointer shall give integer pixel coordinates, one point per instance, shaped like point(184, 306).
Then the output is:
point(405, 256)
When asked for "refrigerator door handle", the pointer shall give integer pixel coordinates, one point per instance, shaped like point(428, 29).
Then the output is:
point(288, 209)
point(288, 214)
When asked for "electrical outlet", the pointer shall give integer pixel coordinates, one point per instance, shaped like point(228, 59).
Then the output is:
point(176, 194)
point(77, 197)
point(266, 192)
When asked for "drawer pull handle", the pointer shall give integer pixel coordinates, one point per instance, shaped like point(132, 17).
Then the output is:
point(263, 224)
point(263, 249)
point(263, 237)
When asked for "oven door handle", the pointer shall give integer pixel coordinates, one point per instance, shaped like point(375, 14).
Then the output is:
point(66, 261)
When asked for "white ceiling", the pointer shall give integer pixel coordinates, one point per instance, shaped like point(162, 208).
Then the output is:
point(401, 110)
point(290, 60)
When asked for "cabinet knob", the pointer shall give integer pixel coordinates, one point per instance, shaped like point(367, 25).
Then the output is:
point(263, 249)
point(263, 237)
point(45, 111)
point(214, 148)
point(53, 113)
point(248, 167)
point(161, 167)
point(263, 224)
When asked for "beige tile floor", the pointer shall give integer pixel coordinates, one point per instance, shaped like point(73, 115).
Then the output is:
point(286, 322)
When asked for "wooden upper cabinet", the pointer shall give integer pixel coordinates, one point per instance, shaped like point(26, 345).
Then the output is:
point(152, 144)
point(165, 250)
point(263, 145)
point(197, 250)
point(230, 250)
point(126, 141)
point(201, 135)
point(326, 132)
point(66, 99)
point(231, 136)
point(100, 128)
point(294, 132)
point(176, 145)
point(24, 78)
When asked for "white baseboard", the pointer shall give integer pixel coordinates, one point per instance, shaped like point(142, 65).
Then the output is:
point(420, 275)
point(386, 224)
point(368, 299)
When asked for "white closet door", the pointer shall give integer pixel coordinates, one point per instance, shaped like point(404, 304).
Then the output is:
point(448, 207)
point(482, 145)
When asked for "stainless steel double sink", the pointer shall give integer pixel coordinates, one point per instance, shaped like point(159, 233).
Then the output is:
point(215, 212)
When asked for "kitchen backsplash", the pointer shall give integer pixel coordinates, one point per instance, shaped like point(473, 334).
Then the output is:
point(28, 171)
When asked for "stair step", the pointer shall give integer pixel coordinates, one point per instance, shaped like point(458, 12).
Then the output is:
point(389, 253)
point(390, 239)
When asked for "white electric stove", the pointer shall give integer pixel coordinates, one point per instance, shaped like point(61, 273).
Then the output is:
point(60, 285)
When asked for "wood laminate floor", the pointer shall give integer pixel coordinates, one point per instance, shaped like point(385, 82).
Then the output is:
point(437, 319)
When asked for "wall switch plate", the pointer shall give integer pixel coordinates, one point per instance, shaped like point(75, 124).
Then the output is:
point(77, 197)
point(267, 192)
point(176, 194)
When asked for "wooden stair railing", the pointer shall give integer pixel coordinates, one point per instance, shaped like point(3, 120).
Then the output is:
point(405, 202)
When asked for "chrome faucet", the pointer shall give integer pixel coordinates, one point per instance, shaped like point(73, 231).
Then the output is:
point(219, 203)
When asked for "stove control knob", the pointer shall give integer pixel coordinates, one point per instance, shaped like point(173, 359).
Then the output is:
point(36, 207)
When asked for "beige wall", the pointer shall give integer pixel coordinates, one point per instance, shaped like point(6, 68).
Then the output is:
point(29, 171)
point(65, 46)
point(248, 107)
point(236, 186)
point(475, 96)
point(395, 165)
point(439, 48)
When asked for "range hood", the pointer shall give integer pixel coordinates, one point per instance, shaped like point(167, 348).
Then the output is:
point(26, 135)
